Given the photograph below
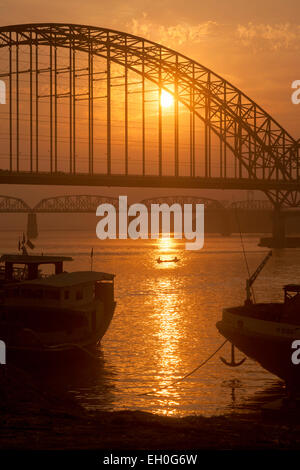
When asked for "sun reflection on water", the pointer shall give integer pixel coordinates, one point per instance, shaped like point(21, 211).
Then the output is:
point(166, 243)
point(167, 254)
point(167, 332)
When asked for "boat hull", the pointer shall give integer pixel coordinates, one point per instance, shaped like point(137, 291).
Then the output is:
point(287, 242)
point(267, 342)
point(28, 346)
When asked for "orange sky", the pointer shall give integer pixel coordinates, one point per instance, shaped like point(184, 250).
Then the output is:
point(254, 44)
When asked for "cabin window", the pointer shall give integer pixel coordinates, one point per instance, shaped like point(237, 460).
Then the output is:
point(15, 293)
point(79, 294)
point(32, 293)
point(67, 294)
point(27, 293)
point(38, 293)
point(52, 294)
point(12, 292)
point(56, 295)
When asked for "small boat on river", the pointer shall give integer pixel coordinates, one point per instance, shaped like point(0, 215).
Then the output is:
point(172, 260)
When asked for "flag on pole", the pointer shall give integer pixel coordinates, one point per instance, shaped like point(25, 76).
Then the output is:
point(30, 244)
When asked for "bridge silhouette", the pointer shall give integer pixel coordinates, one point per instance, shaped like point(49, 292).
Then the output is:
point(86, 107)
point(88, 203)
point(220, 215)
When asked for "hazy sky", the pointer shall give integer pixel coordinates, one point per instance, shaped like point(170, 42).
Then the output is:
point(254, 44)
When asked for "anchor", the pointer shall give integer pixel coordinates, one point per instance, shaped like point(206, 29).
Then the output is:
point(232, 363)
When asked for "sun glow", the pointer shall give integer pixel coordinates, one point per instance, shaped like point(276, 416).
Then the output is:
point(166, 99)
point(166, 243)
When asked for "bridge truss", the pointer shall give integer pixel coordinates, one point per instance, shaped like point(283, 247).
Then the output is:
point(74, 203)
point(85, 106)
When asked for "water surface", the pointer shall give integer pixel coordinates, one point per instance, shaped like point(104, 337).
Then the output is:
point(164, 324)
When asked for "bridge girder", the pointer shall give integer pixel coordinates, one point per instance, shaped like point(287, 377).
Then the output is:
point(184, 199)
point(13, 204)
point(284, 199)
point(255, 204)
point(266, 156)
point(74, 203)
point(88, 203)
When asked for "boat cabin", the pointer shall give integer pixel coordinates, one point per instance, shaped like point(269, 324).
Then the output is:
point(64, 290)
point(39, 311)
point(27, 267)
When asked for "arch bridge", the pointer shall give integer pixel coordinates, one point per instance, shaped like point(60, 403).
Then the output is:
point(74, 203)
point(252, 204)
point(90, 106)
point(13, 204)
point(184, 199)
point(220, 215)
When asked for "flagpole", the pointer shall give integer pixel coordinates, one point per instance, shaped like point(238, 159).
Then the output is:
point(92, 258)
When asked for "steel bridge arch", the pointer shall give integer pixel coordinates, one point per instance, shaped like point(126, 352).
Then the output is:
point(255, 204)
point(262, 148)
point(13, 204)
point(183, 199)
point(74, 203)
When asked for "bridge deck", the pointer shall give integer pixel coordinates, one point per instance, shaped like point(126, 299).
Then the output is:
point(153, 181)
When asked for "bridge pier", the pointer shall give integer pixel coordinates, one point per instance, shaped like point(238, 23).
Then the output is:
point(32, 228)
point(278, 231)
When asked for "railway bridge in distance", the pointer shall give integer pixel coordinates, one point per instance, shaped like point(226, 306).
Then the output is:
point(223, 217)
point(90, 106)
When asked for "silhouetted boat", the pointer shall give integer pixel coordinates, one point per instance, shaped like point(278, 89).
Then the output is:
point(265, 331)
point(52, 314)
point(287, 242)
point(173, 260)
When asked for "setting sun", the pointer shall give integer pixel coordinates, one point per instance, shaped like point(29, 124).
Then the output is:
point(166, 99)
point(166, 243)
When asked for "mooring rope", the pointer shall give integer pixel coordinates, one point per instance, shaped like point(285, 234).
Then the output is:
point(186, 375)
point(181, 379)
point(59, 347)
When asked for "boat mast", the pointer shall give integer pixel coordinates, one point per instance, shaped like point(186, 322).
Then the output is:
point(252, 278)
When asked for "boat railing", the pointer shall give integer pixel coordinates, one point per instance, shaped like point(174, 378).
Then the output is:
point(17, 273)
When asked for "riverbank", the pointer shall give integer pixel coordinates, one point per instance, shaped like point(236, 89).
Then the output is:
point(53, 429)
point(34, 419)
